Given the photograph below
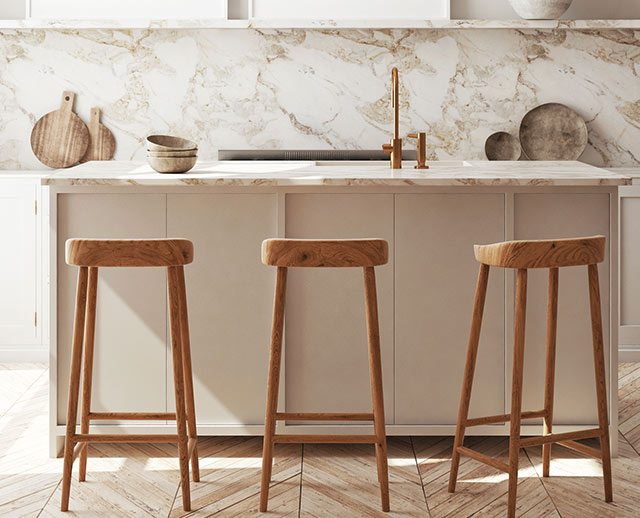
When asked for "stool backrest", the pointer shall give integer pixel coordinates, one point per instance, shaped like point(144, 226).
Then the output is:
point(329, 253)
point(129, 252)
point(553, 253)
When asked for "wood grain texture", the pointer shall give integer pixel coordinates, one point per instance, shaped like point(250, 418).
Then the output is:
point(178, 384)
point(74, 384)
point(516, 389)
point(601, 377)
point(273, 382)
point(102, 143)
point(550, 364)
point(87, 376)
point(330, 253)
point(469, 370)
point(553, 253)
point(60, 139)
point(190, 405)
point(129, 252)
point(375, 374)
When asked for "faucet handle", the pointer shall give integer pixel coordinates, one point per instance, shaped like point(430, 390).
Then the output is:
point(387, 148)
point(422, 149)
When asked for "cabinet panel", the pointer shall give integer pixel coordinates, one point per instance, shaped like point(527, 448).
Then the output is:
point(130, 347)
point(18, 275)
point(325, 334)
point(351, 10)
point(124, 9)
point(630, 259)
point(545, 216)
point(230, 299)
point(435, 279)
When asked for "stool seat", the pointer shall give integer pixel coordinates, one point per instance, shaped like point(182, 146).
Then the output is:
point(551, 253)
point(129, 252)
point(325, 253)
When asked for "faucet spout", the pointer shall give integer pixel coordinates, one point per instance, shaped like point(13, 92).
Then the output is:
point(395, 148)
point(395, 102)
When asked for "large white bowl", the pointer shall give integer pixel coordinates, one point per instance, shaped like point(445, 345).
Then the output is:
point(540, 9)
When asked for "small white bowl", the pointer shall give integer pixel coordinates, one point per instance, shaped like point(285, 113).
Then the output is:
point(180, 164)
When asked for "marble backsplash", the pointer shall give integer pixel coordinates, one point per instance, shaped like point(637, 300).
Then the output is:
point(320, 88)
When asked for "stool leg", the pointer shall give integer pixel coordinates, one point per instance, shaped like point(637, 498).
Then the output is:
point(375, 371)
point(552, 326)
point(87, 376)
point(188, 373)
point(472, 352)
point(272, 384)
point(74, 385)
point(176, 347)
point(601, 379)
point(516, 389)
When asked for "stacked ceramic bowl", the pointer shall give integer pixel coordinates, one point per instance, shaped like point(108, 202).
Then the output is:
point(167, 154)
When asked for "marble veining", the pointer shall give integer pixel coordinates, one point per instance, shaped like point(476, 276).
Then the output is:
point(295, 88)
point(272, 174)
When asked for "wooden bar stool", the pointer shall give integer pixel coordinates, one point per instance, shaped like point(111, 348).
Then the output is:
point(89, 255)
point(364, 253)
point(522, 255)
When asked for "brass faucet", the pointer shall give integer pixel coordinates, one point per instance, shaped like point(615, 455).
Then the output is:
point(395, 148)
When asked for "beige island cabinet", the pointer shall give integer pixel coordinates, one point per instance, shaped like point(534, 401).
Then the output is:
point(431, 220)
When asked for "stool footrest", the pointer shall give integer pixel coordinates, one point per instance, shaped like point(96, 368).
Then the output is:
point(77, 450)
point(133, 416)
point(560, 437)
point(582, 448)
point(503, 418)
point(325, 439)
point(191, 444)
point(317, 416)
point(483, 458)
point(116, 437)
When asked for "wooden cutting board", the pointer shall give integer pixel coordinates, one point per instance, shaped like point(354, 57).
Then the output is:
point(102, 144)
point(60, 138)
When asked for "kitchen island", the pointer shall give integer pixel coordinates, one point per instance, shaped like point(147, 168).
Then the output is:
point(431, 219)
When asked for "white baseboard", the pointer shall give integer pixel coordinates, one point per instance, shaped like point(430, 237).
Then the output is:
point(628, 354)
point(24, 354)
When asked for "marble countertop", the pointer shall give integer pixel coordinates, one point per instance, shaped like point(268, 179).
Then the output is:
point(256, 173)
point(633, 172)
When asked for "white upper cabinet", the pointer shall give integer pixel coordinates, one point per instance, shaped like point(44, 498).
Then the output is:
point(349, 9)
point(18, 263)
point(127, 9)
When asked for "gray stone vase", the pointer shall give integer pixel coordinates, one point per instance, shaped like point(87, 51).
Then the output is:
point(540, 9)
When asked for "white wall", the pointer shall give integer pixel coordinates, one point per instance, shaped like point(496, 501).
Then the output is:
point(580, 9)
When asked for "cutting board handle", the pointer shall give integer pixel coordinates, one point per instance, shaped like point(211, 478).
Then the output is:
point(67, 102)
point(94, 121)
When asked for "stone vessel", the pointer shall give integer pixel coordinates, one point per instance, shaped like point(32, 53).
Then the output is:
point(540, 9)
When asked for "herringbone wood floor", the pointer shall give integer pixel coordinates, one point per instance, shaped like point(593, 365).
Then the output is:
point(312, 482)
